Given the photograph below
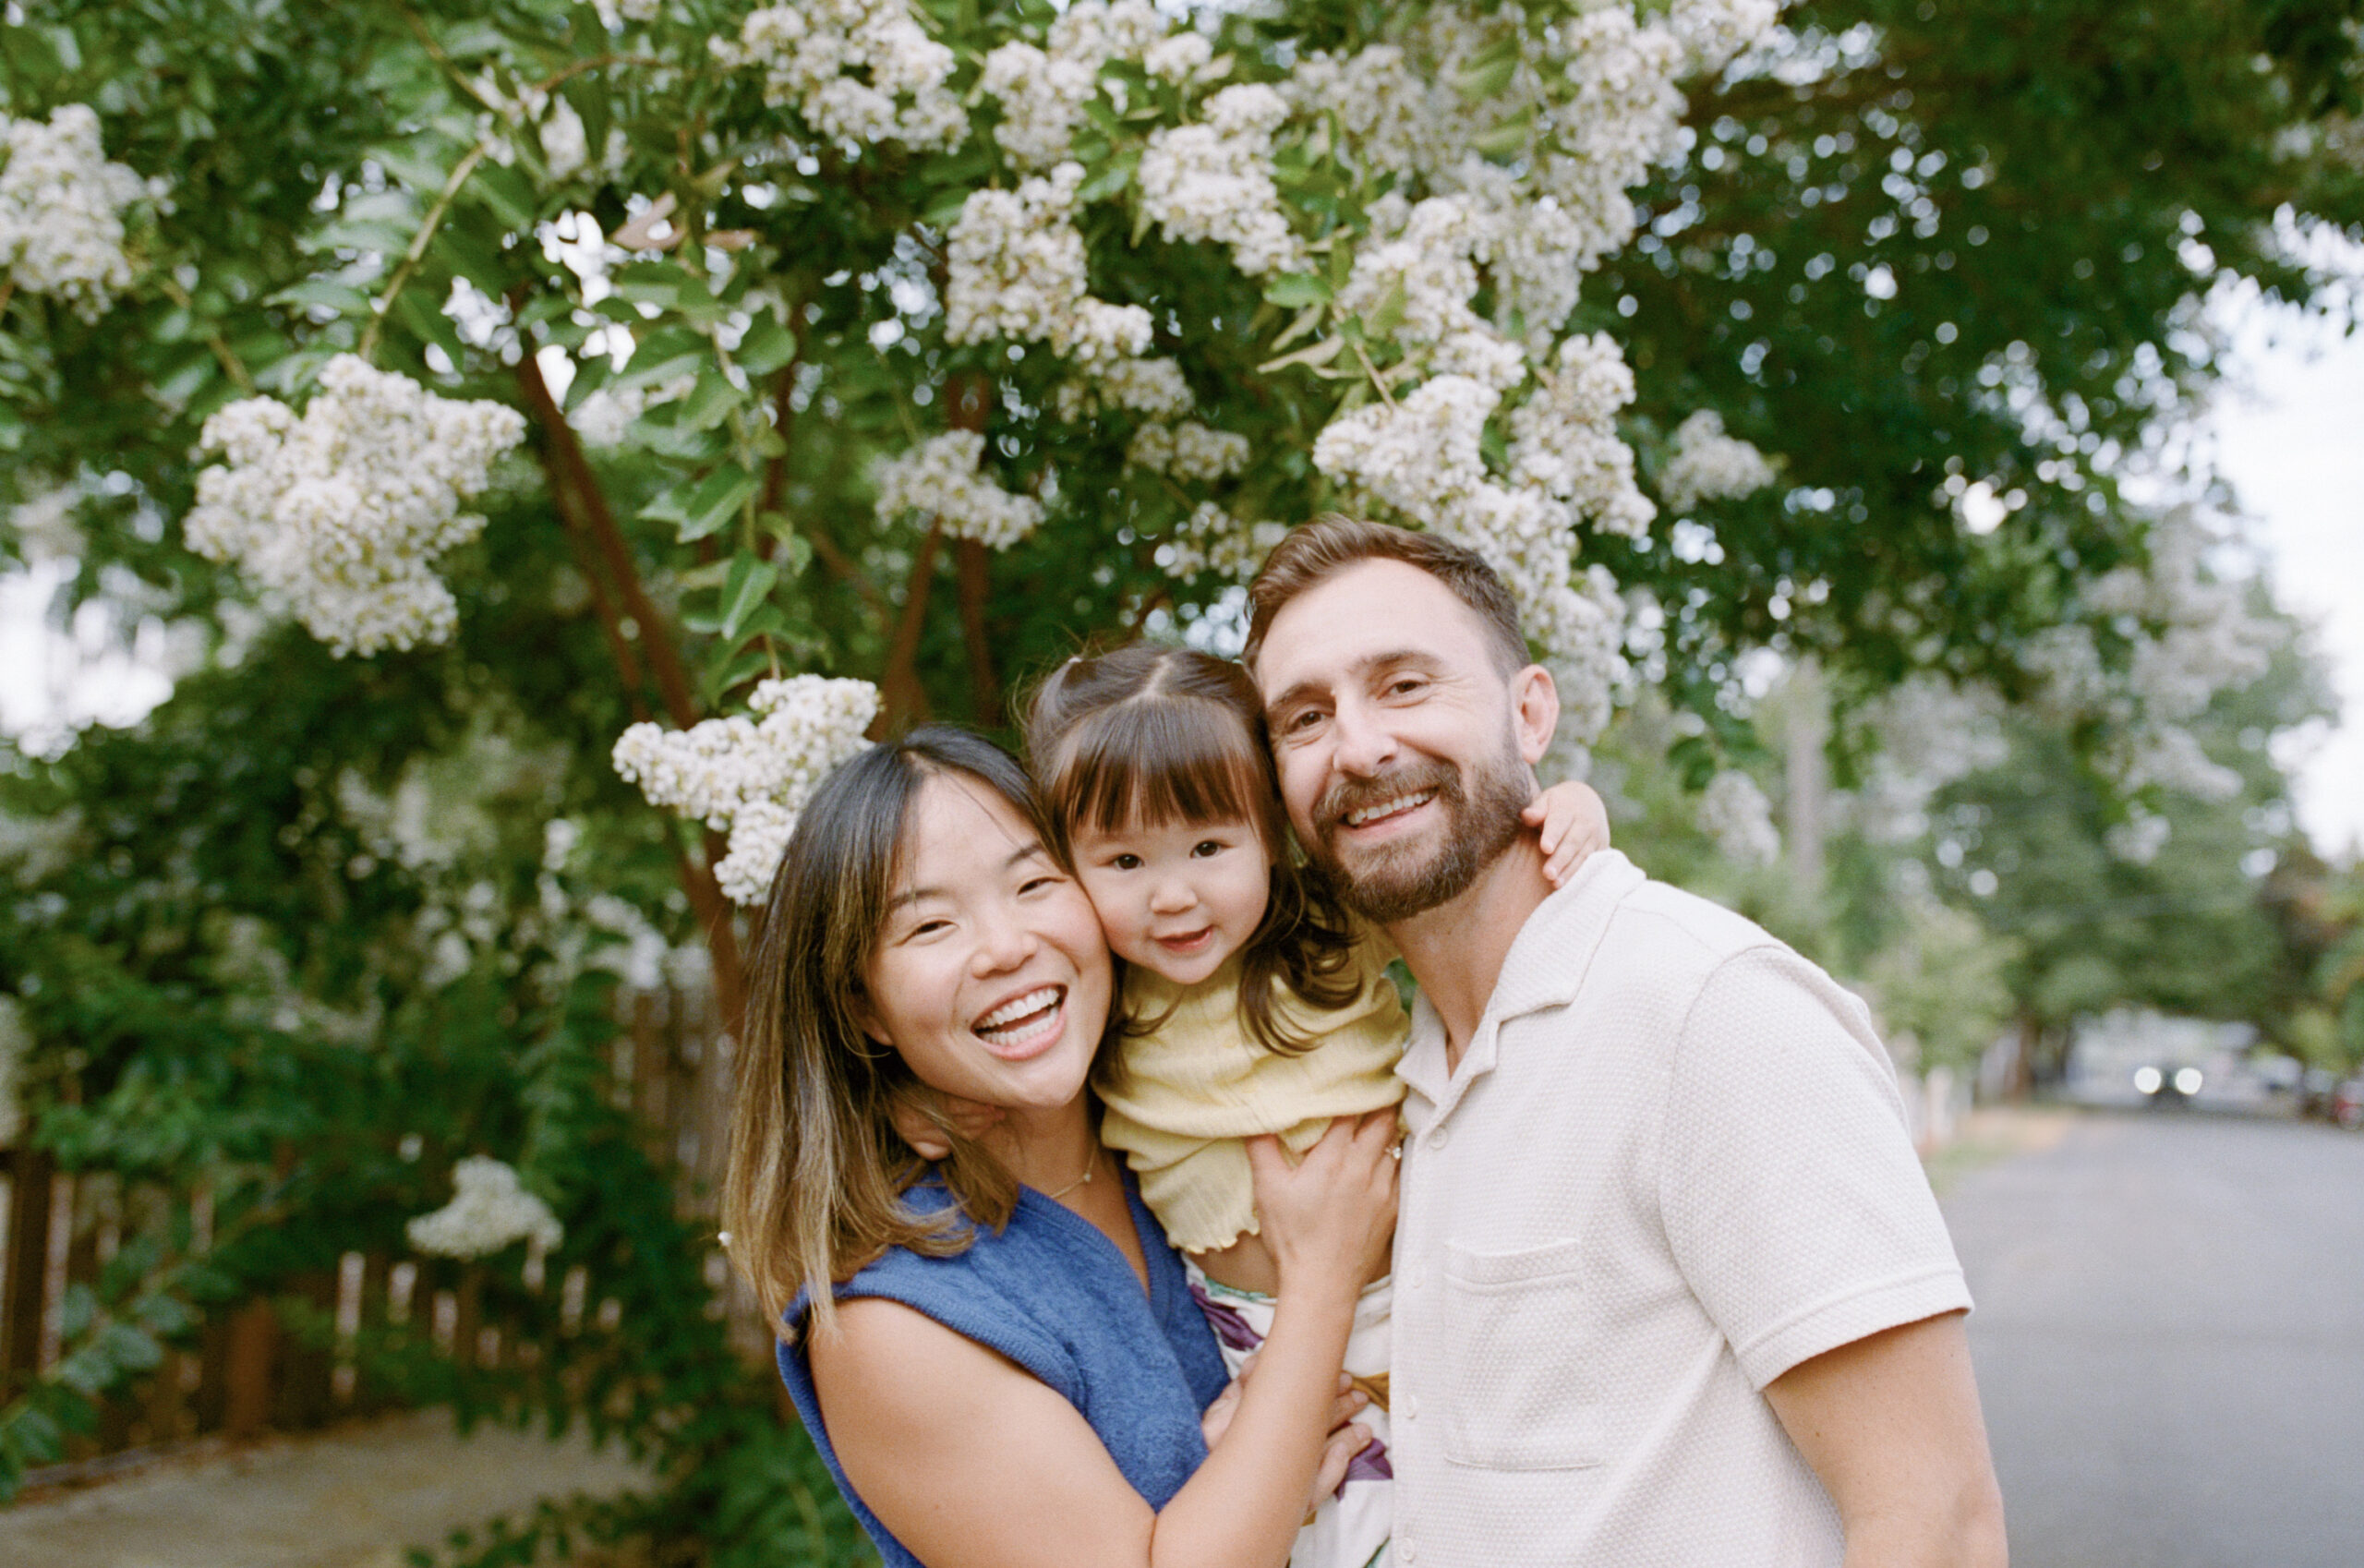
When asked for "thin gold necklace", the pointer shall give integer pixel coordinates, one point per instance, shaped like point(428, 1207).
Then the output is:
point(1089, 1172)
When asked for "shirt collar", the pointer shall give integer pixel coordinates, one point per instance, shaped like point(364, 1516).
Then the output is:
point(1544, 967)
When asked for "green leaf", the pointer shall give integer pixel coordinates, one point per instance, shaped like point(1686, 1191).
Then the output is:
point(1312, 356)
point(716, 501)
point(506, 191)
point(710, 402)
point(1390, 314)
point(767, 347)
point(1509, 139)
point(343, 298)
point(1297, 290)
point(751, 581)
point(1108, 181)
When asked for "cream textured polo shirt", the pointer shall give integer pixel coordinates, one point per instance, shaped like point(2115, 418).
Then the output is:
point(1672, 1165)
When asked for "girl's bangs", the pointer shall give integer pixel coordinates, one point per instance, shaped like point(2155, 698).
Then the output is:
point(1152, 763)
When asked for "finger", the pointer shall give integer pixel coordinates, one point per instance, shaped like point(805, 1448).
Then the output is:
point(1265, 1162)
point(1535, 810)
point(1337, 1454)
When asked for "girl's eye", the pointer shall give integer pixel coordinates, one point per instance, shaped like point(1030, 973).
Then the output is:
point(1207, 847)
point(1126, 863)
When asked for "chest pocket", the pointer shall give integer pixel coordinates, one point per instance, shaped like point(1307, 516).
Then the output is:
point(1521, 1358)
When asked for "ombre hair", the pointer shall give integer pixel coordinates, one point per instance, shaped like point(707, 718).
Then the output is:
point(817, 1171)
point(1147, 736)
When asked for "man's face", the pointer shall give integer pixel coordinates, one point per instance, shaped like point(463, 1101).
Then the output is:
point(1404, 755)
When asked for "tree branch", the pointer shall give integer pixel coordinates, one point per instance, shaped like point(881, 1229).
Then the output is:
point(418, 244)
point(600, 521)
point(899, 683)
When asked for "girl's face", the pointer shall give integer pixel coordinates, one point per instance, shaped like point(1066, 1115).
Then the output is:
point(1179, 899)
point(990, 978)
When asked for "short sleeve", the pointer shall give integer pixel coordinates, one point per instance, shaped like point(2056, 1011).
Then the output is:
point(1792, 1200)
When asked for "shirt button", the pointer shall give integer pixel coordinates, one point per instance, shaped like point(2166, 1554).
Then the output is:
point(1411, 1407)
point(1407, 1552)
point(1415, 1276)
point(1436, 1139)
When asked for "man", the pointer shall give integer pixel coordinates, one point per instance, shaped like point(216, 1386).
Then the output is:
point(1670, 1287)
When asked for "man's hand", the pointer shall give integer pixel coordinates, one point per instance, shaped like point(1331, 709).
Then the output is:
point(1571, 823)
point(926, 1118)
point(1892, 1427)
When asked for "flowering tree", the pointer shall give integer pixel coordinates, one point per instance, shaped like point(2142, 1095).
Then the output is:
point(572, 408)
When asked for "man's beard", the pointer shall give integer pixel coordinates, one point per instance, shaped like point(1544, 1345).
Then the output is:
point(1393, 882)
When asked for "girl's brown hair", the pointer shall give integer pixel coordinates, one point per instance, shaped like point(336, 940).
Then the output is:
point(1146, 735)
point(817, 1171)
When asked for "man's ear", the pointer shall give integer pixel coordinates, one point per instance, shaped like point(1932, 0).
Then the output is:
point(1535, 711)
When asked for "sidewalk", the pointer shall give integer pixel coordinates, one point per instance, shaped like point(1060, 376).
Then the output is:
point(355, 1497)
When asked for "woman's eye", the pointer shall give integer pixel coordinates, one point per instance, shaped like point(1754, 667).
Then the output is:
point(1035, 884)
point(926, 928)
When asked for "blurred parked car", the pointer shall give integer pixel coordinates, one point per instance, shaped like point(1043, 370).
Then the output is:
point(2167, 1085)
point(2315, 1087)
point(2347, 1104)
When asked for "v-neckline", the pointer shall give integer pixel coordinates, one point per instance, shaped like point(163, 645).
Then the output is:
point(1147, 1280)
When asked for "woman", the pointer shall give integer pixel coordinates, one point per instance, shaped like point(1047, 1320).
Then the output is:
point(999, 1359)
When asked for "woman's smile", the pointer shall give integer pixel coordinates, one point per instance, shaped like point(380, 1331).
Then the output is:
point(1025, 1026)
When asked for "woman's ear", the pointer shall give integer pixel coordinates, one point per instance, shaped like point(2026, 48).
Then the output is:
point(866, 1016)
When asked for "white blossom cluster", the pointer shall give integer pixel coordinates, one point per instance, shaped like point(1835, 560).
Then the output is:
point(1189, 451)
point(940, 478)
point(344, 509)
point(750, 777)
point(1931, 733)
point(490, 1210)
point(1211, 539)
point(1597, 100)
point(1735, 814)
point(1423, 456)
point(61, 210)
point(1708, 465)
point(604, 418)
point(1043, 90)
point(2140, 837)
point(1214, 181)
point(1152, 386)
point(860, 70)
point(1016, 270)
point(566, 147)
point(2191, 637)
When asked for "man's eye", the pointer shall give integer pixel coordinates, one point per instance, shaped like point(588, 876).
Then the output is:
point(1405, 684)
point(1304, 718)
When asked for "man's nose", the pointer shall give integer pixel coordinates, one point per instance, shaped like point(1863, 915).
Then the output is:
point(1360, 745)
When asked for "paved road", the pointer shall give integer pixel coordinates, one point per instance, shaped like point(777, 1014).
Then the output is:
point(2170, 1342)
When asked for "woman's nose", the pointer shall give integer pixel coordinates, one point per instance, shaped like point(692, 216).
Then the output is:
point(1004, 946)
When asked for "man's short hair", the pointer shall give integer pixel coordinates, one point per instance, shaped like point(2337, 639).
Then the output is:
point(1319, 551)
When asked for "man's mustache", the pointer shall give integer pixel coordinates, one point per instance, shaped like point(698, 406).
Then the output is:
point(1347, 795)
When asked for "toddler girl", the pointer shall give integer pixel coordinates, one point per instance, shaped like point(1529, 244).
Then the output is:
point(1251, 1002)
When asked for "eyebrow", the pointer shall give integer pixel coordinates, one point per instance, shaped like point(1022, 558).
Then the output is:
point(1031, 850)
point(1360, 668)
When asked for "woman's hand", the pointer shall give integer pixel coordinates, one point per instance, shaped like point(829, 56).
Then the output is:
point(1330, 1218)
point(1348, 1437)
point(1572, 823)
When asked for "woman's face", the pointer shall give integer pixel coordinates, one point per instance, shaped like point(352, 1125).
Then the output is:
point(991, 978)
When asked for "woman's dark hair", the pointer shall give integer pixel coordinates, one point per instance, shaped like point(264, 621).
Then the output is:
point(817, 1171)
point(1145, 735)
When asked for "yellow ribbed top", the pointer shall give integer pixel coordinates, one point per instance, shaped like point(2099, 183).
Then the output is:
point(1189, 1091)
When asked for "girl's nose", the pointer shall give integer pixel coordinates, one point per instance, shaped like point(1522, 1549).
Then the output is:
point(1171, 897)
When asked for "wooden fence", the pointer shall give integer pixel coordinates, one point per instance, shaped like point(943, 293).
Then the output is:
point(245, 1374)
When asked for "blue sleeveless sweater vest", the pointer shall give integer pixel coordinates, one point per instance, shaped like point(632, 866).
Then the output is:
point(1054, 1295)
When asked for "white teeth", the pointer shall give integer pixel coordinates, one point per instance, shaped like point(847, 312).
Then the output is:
point(1387, 808)
point(1032, 1002)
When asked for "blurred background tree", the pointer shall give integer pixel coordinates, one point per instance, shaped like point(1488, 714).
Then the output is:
point(1909, 296)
